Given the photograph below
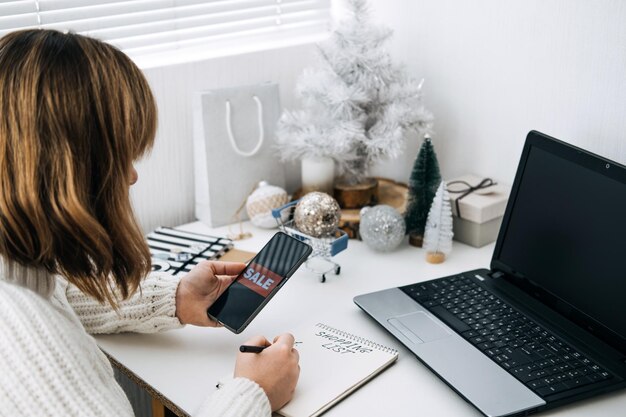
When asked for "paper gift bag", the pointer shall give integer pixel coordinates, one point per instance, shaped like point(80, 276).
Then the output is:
point(233, 148)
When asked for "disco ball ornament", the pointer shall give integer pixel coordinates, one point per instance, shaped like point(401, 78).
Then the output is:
point(317, 214)
point(382, 228)
point(262, 201)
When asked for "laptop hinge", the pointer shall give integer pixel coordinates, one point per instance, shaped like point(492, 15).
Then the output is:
point(497, 274)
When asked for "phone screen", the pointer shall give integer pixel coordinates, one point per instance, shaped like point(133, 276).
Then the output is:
point(259, 281)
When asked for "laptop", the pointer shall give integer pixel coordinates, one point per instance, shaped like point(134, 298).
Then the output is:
point(545, 325)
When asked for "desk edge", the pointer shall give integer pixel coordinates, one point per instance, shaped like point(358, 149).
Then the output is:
point(143, 384)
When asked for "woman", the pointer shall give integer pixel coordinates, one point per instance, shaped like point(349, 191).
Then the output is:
point(75, 113)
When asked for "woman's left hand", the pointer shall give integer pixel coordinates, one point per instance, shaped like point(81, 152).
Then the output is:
point(199, 289)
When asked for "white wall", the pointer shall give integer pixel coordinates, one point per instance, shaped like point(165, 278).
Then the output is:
point(494, 70)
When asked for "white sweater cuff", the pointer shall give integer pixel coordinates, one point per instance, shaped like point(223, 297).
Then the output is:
point(161, 290)
point(151, 309)
point(236, 397)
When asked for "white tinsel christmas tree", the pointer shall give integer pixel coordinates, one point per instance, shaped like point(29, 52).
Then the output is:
point(357, 105)
point(438, 233)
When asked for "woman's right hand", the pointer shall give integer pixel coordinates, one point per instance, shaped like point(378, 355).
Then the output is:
point(275, 369)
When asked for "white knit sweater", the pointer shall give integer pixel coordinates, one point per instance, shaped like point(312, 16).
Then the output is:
point(50, 366)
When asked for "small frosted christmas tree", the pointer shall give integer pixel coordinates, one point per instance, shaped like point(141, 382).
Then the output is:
point(423, 183)
point(438, 233)
point(358, 105)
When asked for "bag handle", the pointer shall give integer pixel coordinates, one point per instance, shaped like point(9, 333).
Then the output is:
point(229, 130)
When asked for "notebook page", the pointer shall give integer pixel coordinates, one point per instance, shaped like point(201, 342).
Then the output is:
point(332, 364)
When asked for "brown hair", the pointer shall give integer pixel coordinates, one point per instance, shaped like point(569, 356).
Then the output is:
point(74, 115)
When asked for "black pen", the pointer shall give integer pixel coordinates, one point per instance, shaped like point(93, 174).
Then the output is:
point(254, 349)
point(251, 349)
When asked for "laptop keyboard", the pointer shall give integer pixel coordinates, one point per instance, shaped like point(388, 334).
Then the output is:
point(531, 353)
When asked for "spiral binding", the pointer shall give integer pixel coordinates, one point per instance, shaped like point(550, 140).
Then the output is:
point(358, 339)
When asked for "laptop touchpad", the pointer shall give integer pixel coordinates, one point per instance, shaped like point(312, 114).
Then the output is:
point(419, 327)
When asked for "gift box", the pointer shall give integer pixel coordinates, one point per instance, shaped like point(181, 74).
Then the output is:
point(478, 205)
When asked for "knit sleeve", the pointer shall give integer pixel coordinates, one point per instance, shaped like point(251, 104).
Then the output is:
point(236, 397)
point(49, 365)
point(151, 309)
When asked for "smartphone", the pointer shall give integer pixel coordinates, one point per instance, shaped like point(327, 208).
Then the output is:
point(261, 279)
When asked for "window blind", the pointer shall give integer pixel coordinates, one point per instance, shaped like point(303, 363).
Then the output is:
point(141, 27)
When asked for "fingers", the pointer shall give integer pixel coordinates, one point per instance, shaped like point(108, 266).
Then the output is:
point(296, 355)
point(285, 338)
point(225, 268)
point(258, 341)
point(213, 323)
point(226, 280)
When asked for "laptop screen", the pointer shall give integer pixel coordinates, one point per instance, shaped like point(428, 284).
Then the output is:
point(566, 232)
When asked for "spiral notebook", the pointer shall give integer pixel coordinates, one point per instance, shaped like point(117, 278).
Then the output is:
point(333, 364)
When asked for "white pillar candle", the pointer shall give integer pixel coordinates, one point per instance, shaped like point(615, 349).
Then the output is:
point(318, 174)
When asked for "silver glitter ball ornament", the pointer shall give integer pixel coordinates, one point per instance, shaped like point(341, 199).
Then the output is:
point(317, 214)
point(382, 228)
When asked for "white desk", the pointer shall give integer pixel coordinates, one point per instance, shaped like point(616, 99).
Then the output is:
point(184, 365)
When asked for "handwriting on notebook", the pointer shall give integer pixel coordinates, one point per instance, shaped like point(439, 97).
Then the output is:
point(338, 344)
point(333, 363)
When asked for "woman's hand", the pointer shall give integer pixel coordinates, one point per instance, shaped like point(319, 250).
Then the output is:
point(275, 369)
point(199, 289)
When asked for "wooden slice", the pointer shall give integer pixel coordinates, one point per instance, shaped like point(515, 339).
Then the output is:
point(355, 196)
point(416, 240)
point(389, 192)
point(393, 194)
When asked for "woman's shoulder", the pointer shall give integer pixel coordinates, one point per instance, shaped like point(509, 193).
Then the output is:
point(39, 344)
point(15, 299)
point(25, 309)
point(28, 318)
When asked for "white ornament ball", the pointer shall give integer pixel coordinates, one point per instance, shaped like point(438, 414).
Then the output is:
point(262, 201)
point(382, 227)
point(317, 214)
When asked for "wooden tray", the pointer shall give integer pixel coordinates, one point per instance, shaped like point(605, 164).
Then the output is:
point(237, 255)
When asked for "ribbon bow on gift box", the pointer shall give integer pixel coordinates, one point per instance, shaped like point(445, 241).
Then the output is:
point(467, 189)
